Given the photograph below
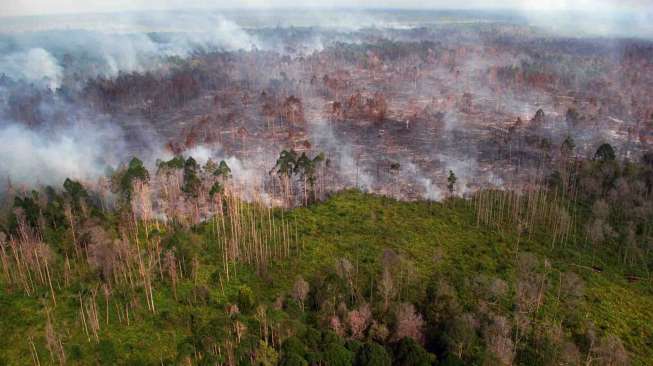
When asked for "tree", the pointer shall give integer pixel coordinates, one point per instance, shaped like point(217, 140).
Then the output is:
point(312, 338)
point(246, 301)
point(451, 182)
point(54, 210)
point(359, 321)
point(605, 153)
point(192, 181)
point(265, 355)
point(572, 288)
point(337, 355)
point(106, 352)
point(410, 353)
point(293, 110)
point(300, 291)
point(539, 117)
point(286, 163)
point(223, 170)
point(386, 287)
point(373, 354)
point(612, 352)
point(647, 159)
point(293, 359)
point(441, 307)
point(306, 168)
point(336, 325)
point(461, 334)
point(101, 254)
point(289, 164)
point(601, 209)
point(135, 171)
point(378, 332)
point(293, 352)
point(176, 162)
point(216, 188)
point(284, 169)
point(293, 345)
point(409, 323)
point(28, 208)
point(76, 192)
point(499, 344)
point(210, 167)
point(567, 148)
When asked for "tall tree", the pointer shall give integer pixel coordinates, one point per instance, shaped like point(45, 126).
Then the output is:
point(192, 181)
point(451, 182)
point(125, 178)
point(604, 153)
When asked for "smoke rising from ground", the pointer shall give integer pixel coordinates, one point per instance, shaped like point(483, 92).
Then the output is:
point(34, 65)
point(138, 45)
point(82, 152)
point(75, 142)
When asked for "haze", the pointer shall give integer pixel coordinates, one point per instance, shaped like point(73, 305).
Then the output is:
point(45, 7)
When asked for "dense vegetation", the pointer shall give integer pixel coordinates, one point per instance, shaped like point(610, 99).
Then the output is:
point(541, 278)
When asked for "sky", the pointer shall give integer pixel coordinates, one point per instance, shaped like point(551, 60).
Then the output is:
point(46, 7)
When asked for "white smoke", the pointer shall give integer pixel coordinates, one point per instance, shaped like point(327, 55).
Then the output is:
point(577, 18)
point(430, 190)
point(135, 44)
point(247, 175)
point(35, 66)
point(201, 154)
point(30, 157)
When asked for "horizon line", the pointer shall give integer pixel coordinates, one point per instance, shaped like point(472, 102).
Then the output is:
point(304, 9)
